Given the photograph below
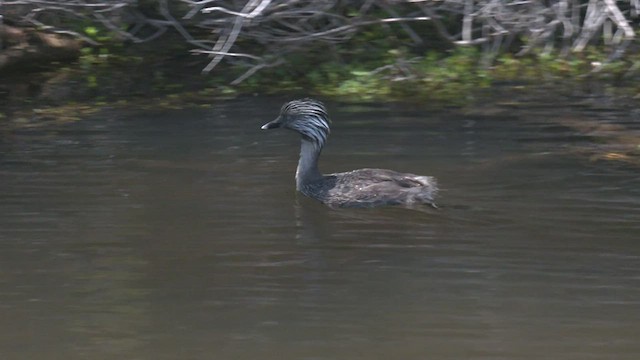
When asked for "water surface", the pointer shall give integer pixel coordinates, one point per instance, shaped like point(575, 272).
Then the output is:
point(178, 235)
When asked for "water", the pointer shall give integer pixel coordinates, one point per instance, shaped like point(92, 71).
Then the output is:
point(178, 235)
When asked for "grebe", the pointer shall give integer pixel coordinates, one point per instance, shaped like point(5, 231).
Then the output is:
point(357, 188)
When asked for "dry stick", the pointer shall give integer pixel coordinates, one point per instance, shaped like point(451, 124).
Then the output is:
point(616, 16)
point(221, 50)
point(164, 11)
point(618, 37)
point(617, 53)
point(440, 27)
point(408, 30)
point(635, 10)
point(31, 17)
point(226, 42)
point(575, 13)
point(607, 32)
point(253, 70)
point(548, 35)
point(593, 20)
point(623, 36)
point(196, 7)
point(66, 4)
point(491, 49)
point(1, 23)
point(356, 25)
point(367, 5)
point(486, 58)
point(567, 27)
point(467, 22)
point(109, 25)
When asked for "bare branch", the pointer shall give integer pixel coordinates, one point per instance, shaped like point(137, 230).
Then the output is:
point(254, 30)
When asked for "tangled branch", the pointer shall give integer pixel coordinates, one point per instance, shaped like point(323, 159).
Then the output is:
point(262, 33)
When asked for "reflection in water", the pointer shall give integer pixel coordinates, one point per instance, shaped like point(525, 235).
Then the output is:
point(180, 236)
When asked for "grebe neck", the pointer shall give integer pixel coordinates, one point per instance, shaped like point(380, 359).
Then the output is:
point(307, 171)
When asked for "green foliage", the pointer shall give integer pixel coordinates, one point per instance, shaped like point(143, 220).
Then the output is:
point(392, 74)
point(362, 85)
point(91, 31)
point(377, 63)
point(553, 67)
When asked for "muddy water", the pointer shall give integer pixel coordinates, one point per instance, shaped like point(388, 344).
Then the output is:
point(178, 235)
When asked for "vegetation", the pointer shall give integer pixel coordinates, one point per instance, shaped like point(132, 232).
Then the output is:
point(358, 50)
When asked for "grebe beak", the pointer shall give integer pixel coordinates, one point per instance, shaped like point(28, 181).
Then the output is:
point(272, 124)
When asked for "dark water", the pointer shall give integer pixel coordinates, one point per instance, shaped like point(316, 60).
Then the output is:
point(178, 235)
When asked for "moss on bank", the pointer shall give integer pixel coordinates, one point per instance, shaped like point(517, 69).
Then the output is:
point(454, 77)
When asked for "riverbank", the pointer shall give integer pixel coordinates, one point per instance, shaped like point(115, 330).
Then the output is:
point(102, 78)
point(51, 99)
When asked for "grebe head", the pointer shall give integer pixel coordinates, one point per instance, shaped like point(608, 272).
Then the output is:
point(305, 116)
